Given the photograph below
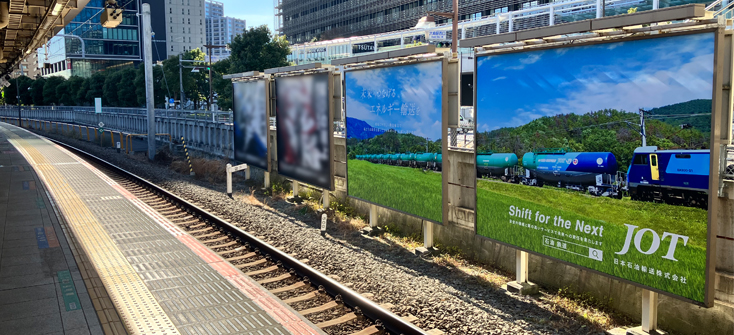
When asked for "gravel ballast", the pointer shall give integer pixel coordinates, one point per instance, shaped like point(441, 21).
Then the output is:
point(439, 297)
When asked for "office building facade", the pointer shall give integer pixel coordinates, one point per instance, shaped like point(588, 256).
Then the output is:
point(103, 47)
point(220, 29)
point(186, 26)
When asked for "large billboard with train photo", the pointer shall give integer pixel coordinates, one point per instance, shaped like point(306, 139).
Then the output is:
point(394, 137)
point(598, 155)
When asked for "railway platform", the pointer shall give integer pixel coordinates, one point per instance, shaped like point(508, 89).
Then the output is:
point(79, 254)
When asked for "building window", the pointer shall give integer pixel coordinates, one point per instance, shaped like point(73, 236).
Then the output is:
point(182, 11)
point(188, 11)
point(170, 11)
point(189, 30)
point(172, 48)
point(189, 21)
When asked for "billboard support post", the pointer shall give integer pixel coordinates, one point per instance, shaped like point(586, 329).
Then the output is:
point(295, 189)
point(649, 311)
point(427, 234)
point(521, 284)
point(373, 216)
point(327, 200)
point(266, 182)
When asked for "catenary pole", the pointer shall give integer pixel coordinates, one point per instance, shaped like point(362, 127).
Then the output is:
point(149, 101)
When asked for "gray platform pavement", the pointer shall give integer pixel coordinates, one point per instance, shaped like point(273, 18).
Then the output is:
point(41, 290)
point(170, 287)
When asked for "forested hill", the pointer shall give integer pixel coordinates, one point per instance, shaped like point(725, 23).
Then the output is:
point(604, 130)
point(699, 106)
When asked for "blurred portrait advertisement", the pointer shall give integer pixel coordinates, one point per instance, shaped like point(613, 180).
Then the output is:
point(302, 119)
point(250, 123)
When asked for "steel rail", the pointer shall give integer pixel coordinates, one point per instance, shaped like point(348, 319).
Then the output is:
point(382, 317)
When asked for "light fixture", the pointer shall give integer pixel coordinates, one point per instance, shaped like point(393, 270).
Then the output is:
point(57, 9)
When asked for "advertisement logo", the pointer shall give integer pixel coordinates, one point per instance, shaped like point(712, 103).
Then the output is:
point(575, 161)
point(599, 161)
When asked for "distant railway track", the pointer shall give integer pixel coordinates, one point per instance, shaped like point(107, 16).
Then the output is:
point(331, 306)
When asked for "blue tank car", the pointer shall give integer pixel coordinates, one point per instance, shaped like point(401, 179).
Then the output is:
point(594, 172)
point(677, 177)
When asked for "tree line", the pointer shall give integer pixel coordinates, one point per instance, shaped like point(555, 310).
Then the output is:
point(254, 50)
point(600, 131)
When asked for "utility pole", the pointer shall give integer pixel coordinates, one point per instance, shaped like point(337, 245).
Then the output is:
point(209, 48)
point(180, 81)
point(17, 89)
point(642, 127)
point(149, 98)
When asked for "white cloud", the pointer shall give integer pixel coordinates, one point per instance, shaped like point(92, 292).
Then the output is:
point(689, 81)
point(499, 78)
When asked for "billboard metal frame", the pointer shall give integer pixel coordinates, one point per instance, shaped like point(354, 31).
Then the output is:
point(444, 111)
point(719, 116)
point(330, 72)
point(267, 80)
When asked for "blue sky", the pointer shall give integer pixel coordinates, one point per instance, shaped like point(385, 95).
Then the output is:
point(514, 89)
point(413, 91)
point(255, 12)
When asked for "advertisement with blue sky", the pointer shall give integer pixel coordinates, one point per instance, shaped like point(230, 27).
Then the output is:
point(394, 137)
point(594, 185)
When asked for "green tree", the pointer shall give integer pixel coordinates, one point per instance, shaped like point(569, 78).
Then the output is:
point(192, 90)
point(49, 90)
point(256, 50)
point(11, 91)
point(159, 86)
point(81, 94)
point(126, 95)
point(109, 88)
point(223, 87)
point(37, 91)
point(95, 87)
point(68, 96)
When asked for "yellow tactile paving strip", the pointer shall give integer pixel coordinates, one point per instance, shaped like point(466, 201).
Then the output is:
point(139, 310)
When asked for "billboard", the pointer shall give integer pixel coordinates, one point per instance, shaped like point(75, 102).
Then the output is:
point(394, 137)
point(304, 129)
point(250, 123)
point(587, 184)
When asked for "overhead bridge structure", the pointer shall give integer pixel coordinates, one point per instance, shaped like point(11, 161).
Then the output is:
point(26, 24)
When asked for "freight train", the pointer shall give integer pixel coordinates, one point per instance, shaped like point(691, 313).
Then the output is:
point(678, 177)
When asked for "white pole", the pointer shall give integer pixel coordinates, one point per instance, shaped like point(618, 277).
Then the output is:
point(427, 234)
point(552, 16)
point(649, 311)
point(295, 188)
point(327, 200)
point(229, 180)
point(655, 4)
point(521, 266)
point(373, 216)
point(148, 52)
point(599, 8)
point(266, 181)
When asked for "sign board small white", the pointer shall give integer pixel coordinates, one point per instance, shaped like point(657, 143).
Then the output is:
point(437, 35)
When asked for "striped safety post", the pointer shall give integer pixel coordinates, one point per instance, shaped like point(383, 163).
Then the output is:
point(188, 159)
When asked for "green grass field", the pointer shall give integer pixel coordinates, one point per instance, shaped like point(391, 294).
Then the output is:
point(405, 189)
point(493, 220)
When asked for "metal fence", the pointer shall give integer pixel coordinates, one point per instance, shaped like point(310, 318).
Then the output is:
point(209, 132)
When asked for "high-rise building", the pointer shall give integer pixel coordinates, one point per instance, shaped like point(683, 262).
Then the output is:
point(220, 29)
point(103, 47)
point(302, 21)
point(29, 65)
point(186, 28)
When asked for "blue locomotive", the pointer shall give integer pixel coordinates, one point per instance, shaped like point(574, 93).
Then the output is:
point(595, 172)
point(678, 177)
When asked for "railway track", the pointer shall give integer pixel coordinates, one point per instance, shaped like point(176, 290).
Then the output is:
point(321, 299)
